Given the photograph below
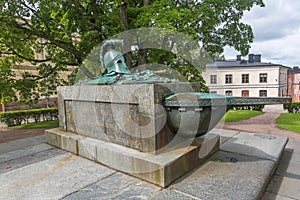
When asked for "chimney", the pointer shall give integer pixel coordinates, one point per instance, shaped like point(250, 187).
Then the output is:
point(257, 58)
point(238, 57)
point(251, 58)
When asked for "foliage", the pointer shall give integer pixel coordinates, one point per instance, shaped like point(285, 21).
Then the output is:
point(293, 107)
point(13, 118)
point(44, 124)
point(289, 121)
point(62, 33)
point(239, 115)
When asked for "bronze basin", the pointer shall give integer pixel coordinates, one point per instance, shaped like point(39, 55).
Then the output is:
point(194, 114)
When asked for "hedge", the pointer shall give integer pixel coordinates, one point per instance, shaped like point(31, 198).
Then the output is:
point(18, 117)
point(293, 107)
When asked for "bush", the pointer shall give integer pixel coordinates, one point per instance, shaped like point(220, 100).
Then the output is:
point(14, 118)
point(249, 107)
point(293, 107)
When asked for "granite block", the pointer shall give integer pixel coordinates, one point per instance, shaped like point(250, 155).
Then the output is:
point(284, 186)
point(129, 115)
point(259, 145)
point(24, 152)
point(20, 144)
point(225, 134)
point(272, 196)
point(53, 178)
point(116, 186)
point(227, 176)
point(63, 140)
point(161, 169)
point(172, 194)
point(29, 159)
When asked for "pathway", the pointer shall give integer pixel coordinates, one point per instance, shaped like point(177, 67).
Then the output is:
point(264, 124)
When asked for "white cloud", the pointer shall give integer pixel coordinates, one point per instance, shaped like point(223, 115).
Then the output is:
point(276, 29)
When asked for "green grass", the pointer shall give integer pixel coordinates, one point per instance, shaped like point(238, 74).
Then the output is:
point(239, 115)
point(289, 121)
point(47, 124)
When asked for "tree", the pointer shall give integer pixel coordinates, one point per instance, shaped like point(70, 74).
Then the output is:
point(52, 28)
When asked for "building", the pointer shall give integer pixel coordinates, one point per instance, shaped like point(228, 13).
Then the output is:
point(247, 78)
point(294, 84)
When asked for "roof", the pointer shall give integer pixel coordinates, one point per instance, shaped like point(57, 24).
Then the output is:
point(294, 70)
point(240, 63)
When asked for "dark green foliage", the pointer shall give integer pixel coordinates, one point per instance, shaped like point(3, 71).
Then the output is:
point(293, 107)
point(63, 33)
point(14, 118)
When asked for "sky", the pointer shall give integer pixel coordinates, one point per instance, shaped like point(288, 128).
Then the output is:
point(276, 30)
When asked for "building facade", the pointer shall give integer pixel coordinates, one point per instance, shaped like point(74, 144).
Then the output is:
point(294, 84)
point(247, 78)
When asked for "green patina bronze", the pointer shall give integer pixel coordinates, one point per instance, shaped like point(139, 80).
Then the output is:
point(117, 72)
point(146, 76)
point(194, 114)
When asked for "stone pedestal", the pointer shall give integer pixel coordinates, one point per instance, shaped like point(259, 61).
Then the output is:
point(124, 127)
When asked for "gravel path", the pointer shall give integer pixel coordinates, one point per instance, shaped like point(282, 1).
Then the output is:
point(264, 124)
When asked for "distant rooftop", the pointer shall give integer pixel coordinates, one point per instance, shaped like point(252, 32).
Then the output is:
point(254, 60)
point(294, 70)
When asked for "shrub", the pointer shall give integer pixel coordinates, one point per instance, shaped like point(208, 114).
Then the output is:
point(14, 118)
point(293, 107)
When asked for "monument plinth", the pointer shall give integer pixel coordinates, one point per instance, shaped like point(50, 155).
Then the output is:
point(125, 127)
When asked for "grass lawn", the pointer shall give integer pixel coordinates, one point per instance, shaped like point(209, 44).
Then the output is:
point(239, 115)
point(47, 124)
point(289, 121)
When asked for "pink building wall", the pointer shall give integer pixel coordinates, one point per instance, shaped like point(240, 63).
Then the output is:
point(294, 86)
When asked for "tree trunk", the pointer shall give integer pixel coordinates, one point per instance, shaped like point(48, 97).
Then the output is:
point(126, 38)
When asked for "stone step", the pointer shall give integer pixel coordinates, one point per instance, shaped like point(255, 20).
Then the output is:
point(231, 173)
point(160, 169)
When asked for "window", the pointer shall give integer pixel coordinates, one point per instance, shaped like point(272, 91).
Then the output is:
point(245, 78)
point(262, 93)
point(245, 93)
point(213, 79)
point(228, 93)
point(213, 92)
point(263, 78)
point(228, 78)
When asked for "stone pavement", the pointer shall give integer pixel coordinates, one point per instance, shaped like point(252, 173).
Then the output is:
point(31, 169)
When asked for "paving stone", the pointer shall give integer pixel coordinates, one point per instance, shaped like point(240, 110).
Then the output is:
point(284, 186)
point(290, 156)
point(259, 145)
point(29, 159)
point(293, 145)
point(291, 170)
point(172, 194)
point(53, 178)
point(20, 144)
point(116, 186)
point(227, 176)
point(225, 134)
point(272, 196)
point(24, 152)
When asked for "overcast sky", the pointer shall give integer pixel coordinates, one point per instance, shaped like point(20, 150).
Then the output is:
point(276, 29)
